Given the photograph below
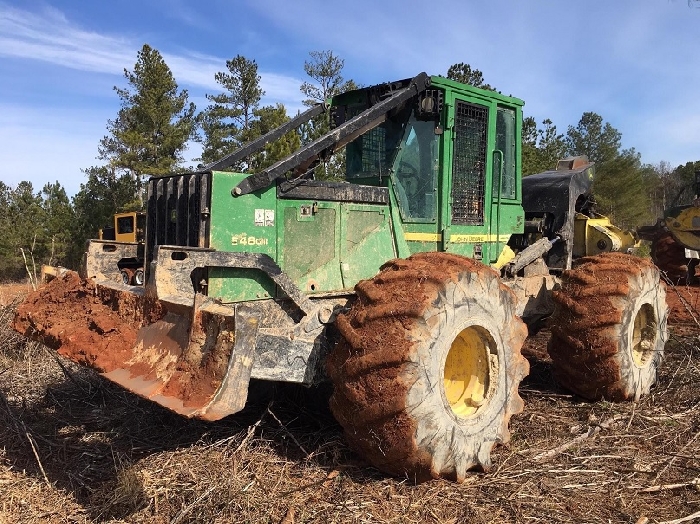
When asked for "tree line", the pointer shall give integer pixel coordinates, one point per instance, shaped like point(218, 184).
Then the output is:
point(156, 121)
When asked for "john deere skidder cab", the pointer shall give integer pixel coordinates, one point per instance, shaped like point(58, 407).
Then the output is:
point(406, 283)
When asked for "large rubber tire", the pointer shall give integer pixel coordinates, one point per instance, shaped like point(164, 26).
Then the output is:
point(426, 376)
point(608, 329)
point(126, 275)
point(669, 257)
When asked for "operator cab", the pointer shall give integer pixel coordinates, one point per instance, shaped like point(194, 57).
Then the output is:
point(404, 150)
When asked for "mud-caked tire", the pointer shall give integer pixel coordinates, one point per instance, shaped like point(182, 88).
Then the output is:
point(608, 329)
point(126, 275)
point(669, 257)
point(426, 376)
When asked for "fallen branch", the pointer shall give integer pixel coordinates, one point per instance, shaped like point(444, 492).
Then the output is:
point(36, 456)
point(673, 459)
point(592, 431)
point(251, 431)
point(653, 489)
point(288, 432)
point(683, 519)
point(183, 513)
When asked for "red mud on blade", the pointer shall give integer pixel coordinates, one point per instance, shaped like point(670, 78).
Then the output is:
point(127, 338)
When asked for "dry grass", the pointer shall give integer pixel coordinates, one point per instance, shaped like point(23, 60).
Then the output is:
point(75, 448)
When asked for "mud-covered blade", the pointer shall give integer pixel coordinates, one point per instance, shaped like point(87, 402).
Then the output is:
point(196, 362)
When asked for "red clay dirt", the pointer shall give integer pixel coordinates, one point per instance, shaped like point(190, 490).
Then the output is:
point(126, 337)
point(684, 304)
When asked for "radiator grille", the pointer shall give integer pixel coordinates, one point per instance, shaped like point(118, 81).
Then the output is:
point(178, 211)
point(469, 164)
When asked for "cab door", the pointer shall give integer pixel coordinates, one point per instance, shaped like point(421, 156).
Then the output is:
point(467, 215)
point(414, 183)
point(481, 177)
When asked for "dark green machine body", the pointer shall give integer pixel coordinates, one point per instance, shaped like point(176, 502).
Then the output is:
point(441, 172)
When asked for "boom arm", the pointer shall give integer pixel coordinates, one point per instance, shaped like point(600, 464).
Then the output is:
point(259, 143)
point(341, 135)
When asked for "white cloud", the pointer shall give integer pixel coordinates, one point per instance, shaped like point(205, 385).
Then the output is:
point(44, 143)
point(48, 36)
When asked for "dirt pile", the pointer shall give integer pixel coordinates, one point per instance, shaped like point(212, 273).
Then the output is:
point(128, 338)
point(684, 304)
point(68, 315)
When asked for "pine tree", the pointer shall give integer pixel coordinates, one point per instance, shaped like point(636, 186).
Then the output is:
point(59, 217)
point(36, 228)
point(619, 184)
point(542, 148)
point(465, 74)
point(104, 194)
point(227, 123)
point(267, 119)
point(153, 124)
point(325, 70)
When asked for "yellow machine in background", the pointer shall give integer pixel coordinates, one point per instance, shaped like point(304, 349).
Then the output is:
point(127, 234)
point(684, 226)
point(675, 238)
point(127, 227)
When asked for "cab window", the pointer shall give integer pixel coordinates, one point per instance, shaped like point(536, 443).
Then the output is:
point(415, 171)
point(125, 225)
point(505, 145)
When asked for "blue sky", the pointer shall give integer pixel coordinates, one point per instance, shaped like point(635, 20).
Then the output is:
point(634, 62)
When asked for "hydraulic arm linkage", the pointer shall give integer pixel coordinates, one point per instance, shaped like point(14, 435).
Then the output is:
point(381, 99)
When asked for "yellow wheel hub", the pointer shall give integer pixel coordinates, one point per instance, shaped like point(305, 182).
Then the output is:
point(467, 372)
point(643, 335)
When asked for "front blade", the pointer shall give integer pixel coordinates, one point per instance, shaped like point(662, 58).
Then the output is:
point(180, 360)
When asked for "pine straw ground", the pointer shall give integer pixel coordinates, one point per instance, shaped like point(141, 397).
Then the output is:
point(75, 448)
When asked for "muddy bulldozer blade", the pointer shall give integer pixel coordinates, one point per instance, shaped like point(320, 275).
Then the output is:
point(194, 360)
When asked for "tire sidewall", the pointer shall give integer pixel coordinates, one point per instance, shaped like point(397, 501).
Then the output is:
point(645, 288)
point(471, 301)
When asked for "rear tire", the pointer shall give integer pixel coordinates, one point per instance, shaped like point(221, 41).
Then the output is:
point(426, 377)
point(609, 327)
point(669, 257)
point(126, 275)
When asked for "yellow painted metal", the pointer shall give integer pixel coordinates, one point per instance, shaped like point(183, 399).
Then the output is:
point(125, 227)
point(455, 239)
point(593, 236)
point(643, 335)
point(507, 255)
point(467, 371)
point(423, 237)
point(473, 239)
point(685, 227)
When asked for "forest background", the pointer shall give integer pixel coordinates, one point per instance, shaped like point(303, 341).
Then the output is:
point(156, 120)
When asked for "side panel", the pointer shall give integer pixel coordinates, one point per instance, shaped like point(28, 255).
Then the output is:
point(330, 246)
point(309, 244)
point(366, 242)
point(245, 224)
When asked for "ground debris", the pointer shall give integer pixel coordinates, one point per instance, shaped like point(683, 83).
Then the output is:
point(110, 456)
